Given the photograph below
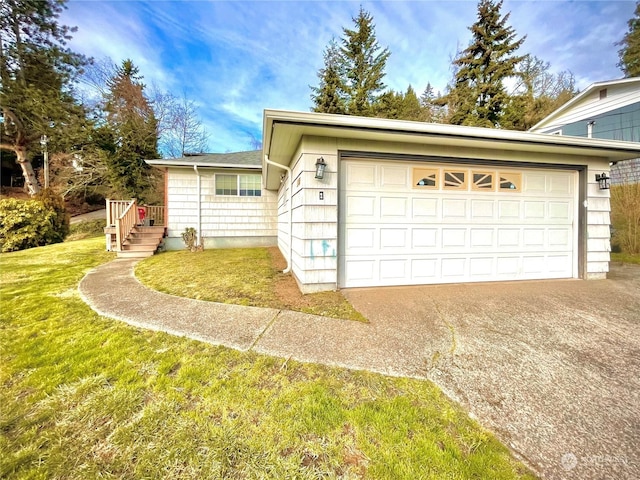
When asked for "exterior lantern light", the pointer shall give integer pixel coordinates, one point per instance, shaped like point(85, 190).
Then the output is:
point(603, 181)
point(320, 167)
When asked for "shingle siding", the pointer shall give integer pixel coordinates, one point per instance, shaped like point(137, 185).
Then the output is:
point(225, 220)
point(627, 171)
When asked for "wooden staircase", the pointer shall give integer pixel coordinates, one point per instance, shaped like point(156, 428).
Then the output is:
point(133, 230)
point(142, 242)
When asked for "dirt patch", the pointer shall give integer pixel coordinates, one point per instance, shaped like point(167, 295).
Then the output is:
point(323, 303)
point(286, 288)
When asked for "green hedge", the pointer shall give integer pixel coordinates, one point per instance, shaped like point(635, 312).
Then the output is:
point(32, 223)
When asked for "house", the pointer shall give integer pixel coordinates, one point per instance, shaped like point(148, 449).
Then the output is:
point(221, 196)
point(359, 202)
point(608, 110)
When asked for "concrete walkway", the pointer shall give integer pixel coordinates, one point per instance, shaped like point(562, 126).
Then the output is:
point(551, 367)
point(308, 338)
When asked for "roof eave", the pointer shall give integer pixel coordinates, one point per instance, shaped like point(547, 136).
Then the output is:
point(177, 163)
point(587, 91)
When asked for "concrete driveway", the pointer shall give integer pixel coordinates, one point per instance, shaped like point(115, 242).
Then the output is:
point(552, 367)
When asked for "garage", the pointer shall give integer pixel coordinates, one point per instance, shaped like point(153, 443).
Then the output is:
point(406, 223)
point(369, 202)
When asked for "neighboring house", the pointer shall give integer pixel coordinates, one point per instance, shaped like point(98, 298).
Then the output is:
point(607, 110)
point(403, 203)
point(221, 196)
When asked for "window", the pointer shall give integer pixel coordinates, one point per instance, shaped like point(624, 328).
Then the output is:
point(603, 94)
point(510, 182)
point(455, 180)
point(238, 185)
point(482, 180)
point(425, 178)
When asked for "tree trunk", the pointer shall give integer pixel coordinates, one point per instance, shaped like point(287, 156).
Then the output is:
point(30, 180)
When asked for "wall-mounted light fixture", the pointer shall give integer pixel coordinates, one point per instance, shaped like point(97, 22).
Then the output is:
point(603, 181)
point(320, 167)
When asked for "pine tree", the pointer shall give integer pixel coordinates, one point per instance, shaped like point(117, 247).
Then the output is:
point(478, 95)
point(36, 75)
point(133, 125)
point(364, 64)
point(630, 52)
point(329, 96)
point(411, 109)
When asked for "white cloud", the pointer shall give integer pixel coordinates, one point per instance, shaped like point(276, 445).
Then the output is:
point(237, 58)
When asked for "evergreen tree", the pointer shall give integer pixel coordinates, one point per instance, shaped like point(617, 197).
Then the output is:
point(364, 63)
point(329, 96)
point(133, 126)
point(389, 105)
point(432, 110)
point(630, 52)
point(411, 109)
point(478, 95)
point(36, 75)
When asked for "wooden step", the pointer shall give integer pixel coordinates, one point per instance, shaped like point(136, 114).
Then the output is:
point(135, 254)
point(139, 247)
point(143, 241)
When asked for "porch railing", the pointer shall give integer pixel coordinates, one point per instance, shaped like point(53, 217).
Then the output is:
point(154, 214)
point(124, 215)
point(115, 209)
point(125, 224)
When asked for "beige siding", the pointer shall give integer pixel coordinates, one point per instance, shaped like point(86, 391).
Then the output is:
point(598, 228)
point(314, 220)
point(314, 242)
point(225, 220)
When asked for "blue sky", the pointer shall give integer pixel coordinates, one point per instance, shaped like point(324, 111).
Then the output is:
point(237, 58)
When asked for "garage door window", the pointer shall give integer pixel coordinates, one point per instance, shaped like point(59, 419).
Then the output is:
point(482, 181)
point(510, 182)
point(425, 178)
point(455, 180)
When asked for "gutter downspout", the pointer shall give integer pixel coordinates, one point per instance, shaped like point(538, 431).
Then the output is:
point(199, 239)
point(289, 184)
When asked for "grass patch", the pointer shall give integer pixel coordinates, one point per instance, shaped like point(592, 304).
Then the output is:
point(88, 229)
point(242, 276)
point(87, 397)
point(626, 258)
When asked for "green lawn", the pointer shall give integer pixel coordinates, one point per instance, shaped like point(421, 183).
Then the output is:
point(243, 276)
point(87, 397)
point(625, 258)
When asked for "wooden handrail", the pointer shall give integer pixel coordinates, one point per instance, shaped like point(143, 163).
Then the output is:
point(155, 213)
point(115, 209)
point(125, 223)
point(124, 215)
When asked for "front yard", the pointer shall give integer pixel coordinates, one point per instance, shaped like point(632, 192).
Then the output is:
point(87, 397)
point(243, 276)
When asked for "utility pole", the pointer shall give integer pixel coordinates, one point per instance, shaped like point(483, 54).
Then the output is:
point(44, 140)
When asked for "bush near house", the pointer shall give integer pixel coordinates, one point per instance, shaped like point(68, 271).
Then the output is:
point(32, 223)
point(625, 217)
point(24, 224)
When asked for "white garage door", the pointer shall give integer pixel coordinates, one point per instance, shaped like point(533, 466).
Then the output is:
point(417, 223)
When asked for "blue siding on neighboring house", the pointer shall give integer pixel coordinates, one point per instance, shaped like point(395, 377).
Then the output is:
point(620, 124)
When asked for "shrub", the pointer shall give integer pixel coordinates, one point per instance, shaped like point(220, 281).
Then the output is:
point(190, 239)
point(25, 224)
point(625, 217)
point(60, 219)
